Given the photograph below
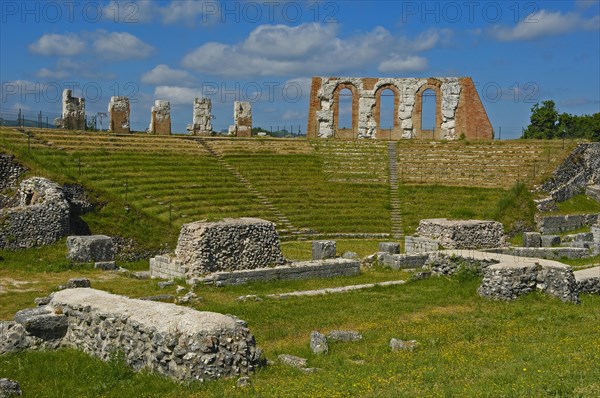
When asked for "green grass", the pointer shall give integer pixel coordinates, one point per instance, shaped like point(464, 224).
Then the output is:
point(468, 346)
point(578, 204)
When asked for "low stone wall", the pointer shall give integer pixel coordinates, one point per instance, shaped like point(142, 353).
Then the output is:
point(228, 245)
point(41, 217)
point(448, 262)
point(593, 192)
point(588, 280)
point(461, 234)
point(548, 253)
point(10, 171)
point(166, 267)
point(175, 341)
point(560, 224)
point(416, 244)
point(301, 270)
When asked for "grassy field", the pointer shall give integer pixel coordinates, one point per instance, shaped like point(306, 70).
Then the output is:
point(536, 346)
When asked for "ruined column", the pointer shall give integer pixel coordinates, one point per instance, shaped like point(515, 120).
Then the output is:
point(73, 112)
point(118, 109)
point(160, 123)
point(242, 119)
point(202, 118)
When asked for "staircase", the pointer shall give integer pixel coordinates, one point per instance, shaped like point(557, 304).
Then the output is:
point(396, 216)
point(288, 229)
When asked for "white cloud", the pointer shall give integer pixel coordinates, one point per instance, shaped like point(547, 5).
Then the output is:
point(408, 63)
point(120, 46)
point(292, 115)
point(164, 75)
point(189, 12)
point(177, 95)
point(542, 24)
point(58, 45)
point(276, 50)
point(68, 68)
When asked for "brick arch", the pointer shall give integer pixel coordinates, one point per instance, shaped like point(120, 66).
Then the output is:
point(417, 116)
point(377, 111)
point(345, 133)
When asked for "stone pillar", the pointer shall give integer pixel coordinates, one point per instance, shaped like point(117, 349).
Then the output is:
point(73, 112)
point(161, 118)
point(242, 119)
point(202, 117)
point(118, 109)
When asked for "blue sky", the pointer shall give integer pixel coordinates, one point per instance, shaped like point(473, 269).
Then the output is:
point(518, 53)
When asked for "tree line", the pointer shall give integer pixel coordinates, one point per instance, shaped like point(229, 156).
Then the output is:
point(547, 123)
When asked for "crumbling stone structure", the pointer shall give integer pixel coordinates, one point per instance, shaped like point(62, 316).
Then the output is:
point(242, 119)
point(202, 117)
point(463, 234)
point(73, 112)
point(41, 215)
point(459, 110)
point(89, 248)
point(10, 171)
point(178, 342)
point(118, 110)
point(160, 122)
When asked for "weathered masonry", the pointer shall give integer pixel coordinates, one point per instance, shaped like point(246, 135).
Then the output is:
point(458, 108)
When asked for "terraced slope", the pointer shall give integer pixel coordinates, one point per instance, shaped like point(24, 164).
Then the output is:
point(497, 164)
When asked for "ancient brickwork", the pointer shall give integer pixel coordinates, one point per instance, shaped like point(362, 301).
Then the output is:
point(463, 234)
point(160, 122)
point(459, 110)
point(242, 119)
point(202, 117)
point(118, 109)
point(73, 112)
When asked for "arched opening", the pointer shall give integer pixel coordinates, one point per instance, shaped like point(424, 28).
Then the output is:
point(386, 110)
point(428, 105)
point(344, 119)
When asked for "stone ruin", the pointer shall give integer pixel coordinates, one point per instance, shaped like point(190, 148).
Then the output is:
point(178, 342)
point(118, 110)
point(458, 108)
point(236, 251)
point(202, 117)
point(10, 171)
point(73, 112)
point(463, 234)
point(40, 215)
point(242, 120)
point(160, 122)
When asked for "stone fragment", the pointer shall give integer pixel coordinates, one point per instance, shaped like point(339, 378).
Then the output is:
point(42, 322)
point(159, 297)
point(593, 192)
point(141, 275)
point(350, 255)
point(419, 245)
point(9, 388)
point(74, 283)
point(243, 382)
point(13, 337)
point(389, 247)
point(402, 345)
point(532, 239)
point(105, 265)
point(550, 240)
point(97, 248)
point(323, 249)
point(118, 110)
point(39, 301)
point(165, 284)
point(344, 335)
point(318, 343)
point(180, 289)
point(160, 122)
point(293, 361)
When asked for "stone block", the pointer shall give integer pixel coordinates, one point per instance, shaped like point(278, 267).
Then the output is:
point(463, 234)
point(323, 249)
point(9, 388)
point(389, 247)
point(318, 343)
point(42, 322)
point(532, 239)
point(404, 261)
point(402, 345)
point(106, 265)
point(416, 244)
point(90, 248)
point(593, 192)
point(550, 240)
point(292, 360)
point(559, 224)
point(344, 335)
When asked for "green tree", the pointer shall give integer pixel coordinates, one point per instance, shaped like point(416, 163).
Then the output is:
point(543, 121)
